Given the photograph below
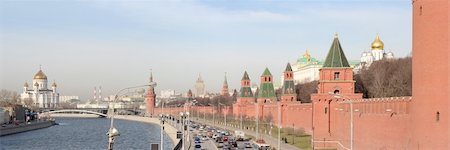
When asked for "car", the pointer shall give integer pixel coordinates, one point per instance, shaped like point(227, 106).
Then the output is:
point(247, 145)
point(204, 138)
point(226, 147)
point(233, 144)
point(220, 145)
point(198, 146)
point(197, 140)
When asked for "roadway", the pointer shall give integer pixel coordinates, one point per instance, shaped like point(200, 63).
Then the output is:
point(210, 144)
point(269, 139)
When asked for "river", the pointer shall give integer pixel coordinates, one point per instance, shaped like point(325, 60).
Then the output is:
point(86, 134)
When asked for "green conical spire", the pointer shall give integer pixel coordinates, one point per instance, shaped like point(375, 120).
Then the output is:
point(266, 72)
point(288, 67)
point(266, 90)
point(336, 56)
point(225, 82)
point(246, 91)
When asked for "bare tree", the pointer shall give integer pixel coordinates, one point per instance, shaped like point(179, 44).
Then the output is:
point(386, 78)
point(9, 98)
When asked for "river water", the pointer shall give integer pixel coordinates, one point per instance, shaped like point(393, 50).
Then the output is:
point(86, 134)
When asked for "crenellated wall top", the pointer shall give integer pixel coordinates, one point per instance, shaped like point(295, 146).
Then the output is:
point(379, 100)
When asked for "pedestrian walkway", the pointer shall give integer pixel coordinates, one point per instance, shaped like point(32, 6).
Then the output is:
point(269, 139)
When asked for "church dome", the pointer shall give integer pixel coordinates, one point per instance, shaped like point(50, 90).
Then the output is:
point(40, 75)
point(36, 84)
point(390, 54)
point(377, 44)
point(25, 85)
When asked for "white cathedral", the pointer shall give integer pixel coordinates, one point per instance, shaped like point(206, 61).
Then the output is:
point(41, 96)
point(375, 54)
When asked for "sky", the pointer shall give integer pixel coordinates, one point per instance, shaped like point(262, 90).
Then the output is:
point(114, 44)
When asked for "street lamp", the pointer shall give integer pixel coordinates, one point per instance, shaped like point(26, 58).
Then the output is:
point(337, 95)
point(183, 116)
point(225, 116)
point(113, 132)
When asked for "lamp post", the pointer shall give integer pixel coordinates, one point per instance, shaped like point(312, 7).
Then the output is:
point(224, 114)
point(162, 124)
point(113, 132)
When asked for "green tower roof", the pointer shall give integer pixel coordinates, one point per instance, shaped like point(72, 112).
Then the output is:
point(266, 72)
point(225, 82)
point(336, 56)
point(266, 89)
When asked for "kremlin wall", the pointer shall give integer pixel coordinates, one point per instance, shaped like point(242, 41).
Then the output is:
point(339, 118)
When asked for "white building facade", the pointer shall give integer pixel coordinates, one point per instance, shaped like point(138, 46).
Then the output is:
point(39, 93)
point(376, 53)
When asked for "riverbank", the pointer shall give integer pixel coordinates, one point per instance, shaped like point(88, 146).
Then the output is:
point(169, 129)
point(13, 129)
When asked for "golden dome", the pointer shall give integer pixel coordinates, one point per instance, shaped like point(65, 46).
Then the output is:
point(40, 75)
point(377, 44)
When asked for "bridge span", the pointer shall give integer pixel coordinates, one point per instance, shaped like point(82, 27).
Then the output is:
point(76, 111)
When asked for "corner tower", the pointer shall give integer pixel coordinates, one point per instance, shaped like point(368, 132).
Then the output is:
point(430, 120)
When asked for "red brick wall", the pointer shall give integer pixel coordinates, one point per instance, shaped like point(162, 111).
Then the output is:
point(377, 124)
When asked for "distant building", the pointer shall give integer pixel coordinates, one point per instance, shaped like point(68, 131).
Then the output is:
point(40, 95)
point(63, 99)
point(200, 87)
point(167, 93)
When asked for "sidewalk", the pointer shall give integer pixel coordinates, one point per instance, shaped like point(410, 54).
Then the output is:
point(269, 139)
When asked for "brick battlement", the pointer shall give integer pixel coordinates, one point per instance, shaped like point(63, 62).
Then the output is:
point(377, 100)
point(389, 105)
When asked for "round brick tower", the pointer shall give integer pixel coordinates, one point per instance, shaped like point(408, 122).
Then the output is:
point(431, 75)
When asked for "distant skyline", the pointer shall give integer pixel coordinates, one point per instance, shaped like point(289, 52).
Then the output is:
point(114, 44)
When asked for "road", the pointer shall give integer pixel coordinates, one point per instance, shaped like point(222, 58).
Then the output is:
point(269, 139)
point(210, 144)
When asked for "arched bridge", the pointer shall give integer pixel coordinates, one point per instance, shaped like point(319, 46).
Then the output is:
point(76, 110)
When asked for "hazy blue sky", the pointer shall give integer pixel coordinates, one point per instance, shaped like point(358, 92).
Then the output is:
point(113, 44)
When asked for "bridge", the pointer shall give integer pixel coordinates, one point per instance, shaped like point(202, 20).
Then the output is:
point(77, 111)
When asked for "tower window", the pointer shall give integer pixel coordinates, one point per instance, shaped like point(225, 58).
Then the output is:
point(336, 91)
point(326, 110)
point(420, 11)
point(336, 76)
point(269, 79)
point(437, 116)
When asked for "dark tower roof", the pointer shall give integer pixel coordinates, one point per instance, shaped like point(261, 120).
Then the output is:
point(245, 77)
point(336, 56)
point(288, 67)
